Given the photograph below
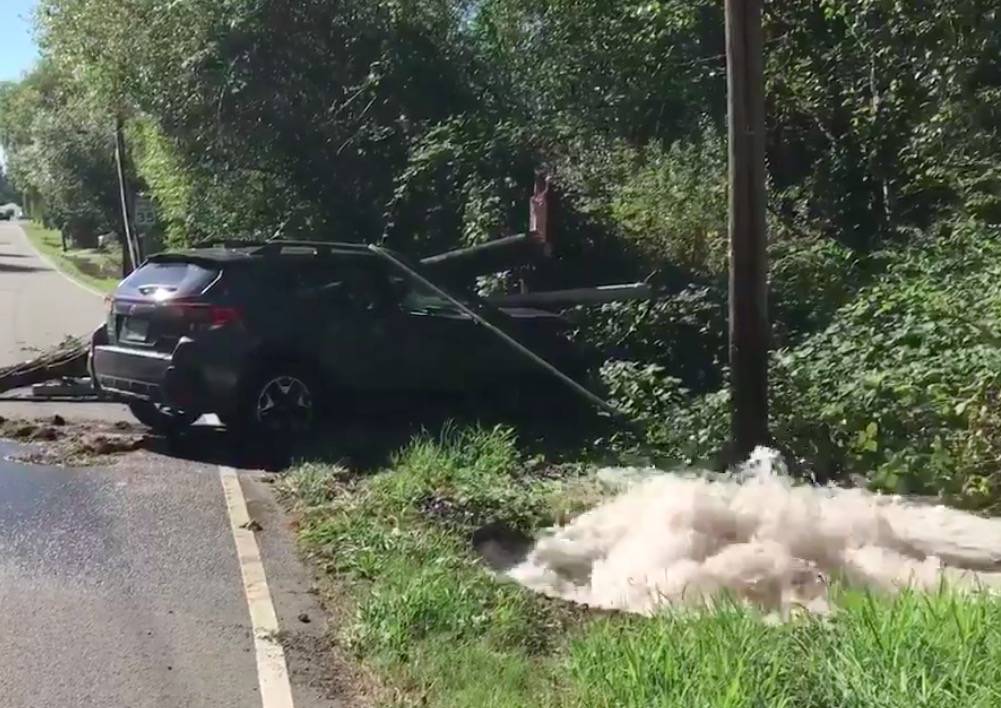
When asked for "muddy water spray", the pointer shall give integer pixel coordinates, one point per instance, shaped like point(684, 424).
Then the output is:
point(759, 537)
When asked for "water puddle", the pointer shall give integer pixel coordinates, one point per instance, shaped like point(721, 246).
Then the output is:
point(10, 451)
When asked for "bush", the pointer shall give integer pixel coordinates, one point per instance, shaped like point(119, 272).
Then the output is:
point(810, 278)
point(685, 429)
point(682, 334)
point(895, 384)
point(902, 386)
point(673, 205)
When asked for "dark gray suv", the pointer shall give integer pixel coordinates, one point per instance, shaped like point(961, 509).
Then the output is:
point(267, 337)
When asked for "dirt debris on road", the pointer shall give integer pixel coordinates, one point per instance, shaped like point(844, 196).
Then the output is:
point(72, 444)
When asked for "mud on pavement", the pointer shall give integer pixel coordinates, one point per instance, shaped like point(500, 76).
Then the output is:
point(56, 441)
point(62, 442)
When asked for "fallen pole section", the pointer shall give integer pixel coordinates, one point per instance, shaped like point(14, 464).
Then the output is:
point(490, 257)
point(68, 360)
point(578, 296)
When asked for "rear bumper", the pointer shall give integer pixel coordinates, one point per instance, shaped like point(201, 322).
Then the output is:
point(145, 376)
point(131, 373)
point(196, 376)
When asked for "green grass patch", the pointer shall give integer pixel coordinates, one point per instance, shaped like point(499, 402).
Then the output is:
point(911, 651)
point(94, 268)
point(441, 631)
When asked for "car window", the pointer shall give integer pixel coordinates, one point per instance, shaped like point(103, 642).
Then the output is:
point(352, 286)
point(168, 280)
point(415, 296)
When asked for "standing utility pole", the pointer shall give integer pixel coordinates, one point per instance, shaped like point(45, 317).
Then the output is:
point(131, 256)
point(749, 328)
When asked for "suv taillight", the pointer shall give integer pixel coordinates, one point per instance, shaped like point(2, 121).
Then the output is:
point(225, 316)
point(205, 315)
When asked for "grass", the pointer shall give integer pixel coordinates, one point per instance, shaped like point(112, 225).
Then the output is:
point(910, 651)
point(440, 631)
point(91, 267)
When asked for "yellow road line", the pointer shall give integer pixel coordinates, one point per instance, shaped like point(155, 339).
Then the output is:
point(272, 671)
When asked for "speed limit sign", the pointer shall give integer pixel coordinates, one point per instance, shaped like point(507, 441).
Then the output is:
point(145, 212)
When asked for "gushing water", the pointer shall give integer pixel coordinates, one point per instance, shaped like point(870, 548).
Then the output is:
point(758, 537)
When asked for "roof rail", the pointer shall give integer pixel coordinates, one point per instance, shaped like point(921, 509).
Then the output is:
point(225, 243)
point(324, 248)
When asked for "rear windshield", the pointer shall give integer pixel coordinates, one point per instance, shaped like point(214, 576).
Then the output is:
point(163, 281)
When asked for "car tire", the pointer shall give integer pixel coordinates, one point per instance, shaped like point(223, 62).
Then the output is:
point(281, 402)
point(162, 419)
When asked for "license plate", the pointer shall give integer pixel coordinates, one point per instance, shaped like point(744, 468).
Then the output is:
point(134, 330)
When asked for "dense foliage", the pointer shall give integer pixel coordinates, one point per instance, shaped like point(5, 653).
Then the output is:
point(902, 386)
point(422, 118)
point(421, 123)
point(60, 153)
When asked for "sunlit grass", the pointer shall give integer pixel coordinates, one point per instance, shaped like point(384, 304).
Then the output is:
point(79, 264)
point(444, 632)
point(914, 650)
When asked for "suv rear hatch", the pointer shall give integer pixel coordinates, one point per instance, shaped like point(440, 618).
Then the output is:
point(161, 302)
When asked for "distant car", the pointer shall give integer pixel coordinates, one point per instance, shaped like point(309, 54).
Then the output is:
point(6, 215)
point(268, 337)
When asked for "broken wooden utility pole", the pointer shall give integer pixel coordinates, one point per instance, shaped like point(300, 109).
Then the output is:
point(603, 294)
point(509, 252)
point(749, 326)
point(490, 257)
point(131, 256)
point(68, 359)
point(540, 211)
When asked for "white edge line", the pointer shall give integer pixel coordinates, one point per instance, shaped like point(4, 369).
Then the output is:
point(272, 670)
point(45, 259)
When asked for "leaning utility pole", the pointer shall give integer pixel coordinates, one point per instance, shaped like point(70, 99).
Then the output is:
point(749, 327)
point(131, 256)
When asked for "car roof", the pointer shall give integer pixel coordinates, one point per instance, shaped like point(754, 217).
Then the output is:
point(241, 251)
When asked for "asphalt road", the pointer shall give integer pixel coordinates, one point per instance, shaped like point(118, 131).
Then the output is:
point(39, 307)
point(123, 585)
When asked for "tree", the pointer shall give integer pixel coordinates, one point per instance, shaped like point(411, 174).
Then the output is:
point(60, 150)
point(881, 115)
point(636, 69)
point(327, 96)
point(7, 192)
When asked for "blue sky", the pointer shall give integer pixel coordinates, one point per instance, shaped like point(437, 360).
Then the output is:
point(17, 45)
